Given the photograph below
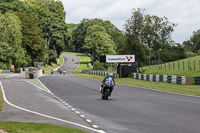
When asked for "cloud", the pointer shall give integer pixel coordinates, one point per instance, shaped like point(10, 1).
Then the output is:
point(185, 13)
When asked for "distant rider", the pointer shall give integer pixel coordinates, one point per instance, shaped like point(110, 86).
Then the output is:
point(52, 71)
point(108, 78)
point(64, 72)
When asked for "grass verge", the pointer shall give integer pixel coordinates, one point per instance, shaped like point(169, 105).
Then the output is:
point(174, 88)
point(17, 127)
point(177, 68)
point(36, 82)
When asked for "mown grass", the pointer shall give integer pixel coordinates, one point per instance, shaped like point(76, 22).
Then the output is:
point(177, 68)
point(36, 82)
point(17, 127)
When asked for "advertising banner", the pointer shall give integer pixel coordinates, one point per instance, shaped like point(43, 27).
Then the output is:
point(120, 58)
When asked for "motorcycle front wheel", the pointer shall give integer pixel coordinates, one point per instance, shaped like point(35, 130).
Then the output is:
point(106, 93)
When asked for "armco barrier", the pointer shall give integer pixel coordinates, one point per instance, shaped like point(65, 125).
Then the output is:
point(6, 71)
point(100, 73)
point(157, 78)
point(165, 78)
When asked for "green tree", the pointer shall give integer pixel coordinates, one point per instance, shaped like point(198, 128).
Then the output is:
point(145, 30)
point(33, 40)
point(6, 53)
point(11, 36)
point(157, 31)
point(98, 41)
point(51, 18)
point(79, 34)
point(134, 30)
point(193, 43)
point(71, 28)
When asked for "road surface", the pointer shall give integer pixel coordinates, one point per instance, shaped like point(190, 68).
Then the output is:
point(129, 109)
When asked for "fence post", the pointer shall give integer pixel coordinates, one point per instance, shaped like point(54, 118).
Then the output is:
point(173, 65)
point(169, 65)
point(188, 65)
point(178, 65)
point(194, 64)
point(183, 65)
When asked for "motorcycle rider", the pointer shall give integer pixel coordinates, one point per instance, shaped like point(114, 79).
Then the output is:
point(64, 72)
point(108, 78)
point(52, 71)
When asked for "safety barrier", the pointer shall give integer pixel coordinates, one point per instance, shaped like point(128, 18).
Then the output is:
point(100, 73)
point(164, 78)
point(6, 71)
point(197, 80)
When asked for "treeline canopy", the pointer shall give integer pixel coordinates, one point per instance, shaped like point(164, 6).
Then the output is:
point(35, 29)
point(143, 34)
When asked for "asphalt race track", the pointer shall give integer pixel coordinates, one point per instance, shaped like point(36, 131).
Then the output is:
point(129, 109)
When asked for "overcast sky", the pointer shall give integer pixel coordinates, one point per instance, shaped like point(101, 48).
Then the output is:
point(186, 13)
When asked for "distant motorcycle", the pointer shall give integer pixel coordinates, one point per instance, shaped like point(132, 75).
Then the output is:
point(64, 72)
point(107, 87)
point(52, 71)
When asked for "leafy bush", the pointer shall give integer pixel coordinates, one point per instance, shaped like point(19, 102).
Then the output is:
point(99, 66)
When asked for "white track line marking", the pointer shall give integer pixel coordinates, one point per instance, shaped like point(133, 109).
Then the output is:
point(77, 112)
point(47, 116)
point(95, 126)
point(82, 116)
point(88, 120)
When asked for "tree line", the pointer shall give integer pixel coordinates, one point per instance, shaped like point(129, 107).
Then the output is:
point(146, 36)
point(36, 31)
point(31, 31)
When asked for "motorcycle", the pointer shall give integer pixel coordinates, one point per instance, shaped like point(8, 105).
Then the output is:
point(64, 72)
point(106, 89)
point(51, 71)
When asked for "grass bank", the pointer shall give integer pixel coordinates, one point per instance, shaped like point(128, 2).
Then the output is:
point(175, 88)
point(17, 127)
point(180, 67)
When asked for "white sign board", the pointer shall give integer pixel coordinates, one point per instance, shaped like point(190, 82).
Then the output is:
point(120, 58)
